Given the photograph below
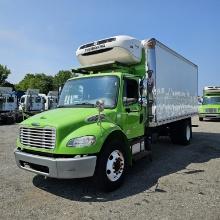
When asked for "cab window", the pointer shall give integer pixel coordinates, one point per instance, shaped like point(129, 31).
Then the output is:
point(38, 99)
point(22, 99)
point(10, 99)
point(2, 99)
point(130, 89)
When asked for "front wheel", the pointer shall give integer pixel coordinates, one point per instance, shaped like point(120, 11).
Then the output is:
point(111, 166)
point(10, 120)
point(200, 119)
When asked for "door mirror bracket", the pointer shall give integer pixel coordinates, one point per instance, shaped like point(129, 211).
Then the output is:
point(129, 101)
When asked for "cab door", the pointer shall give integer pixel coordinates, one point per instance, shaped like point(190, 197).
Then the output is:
point(132, 112)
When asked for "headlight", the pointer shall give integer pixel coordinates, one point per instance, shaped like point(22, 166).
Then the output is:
point(84, 141)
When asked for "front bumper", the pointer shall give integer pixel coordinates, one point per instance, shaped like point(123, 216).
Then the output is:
point(61, 168)
point(209, 115)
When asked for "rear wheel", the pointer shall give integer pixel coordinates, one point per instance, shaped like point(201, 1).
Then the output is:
point(181, 132)
point(186, 133)
point(111, 166)
point(200, 119)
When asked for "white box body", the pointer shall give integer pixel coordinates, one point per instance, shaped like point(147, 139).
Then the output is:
point(175, 84)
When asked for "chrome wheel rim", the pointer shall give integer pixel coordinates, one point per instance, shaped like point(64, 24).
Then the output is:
point(115, 165)
point(188, 133)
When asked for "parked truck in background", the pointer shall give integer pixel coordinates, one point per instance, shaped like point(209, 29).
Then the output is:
point(8, 106)
point(51, 100)
point(210, 108)
point(128, 90)
point(32, 102)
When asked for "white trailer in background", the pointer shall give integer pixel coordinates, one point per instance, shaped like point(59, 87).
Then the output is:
point(32, 101)
point(8, 99)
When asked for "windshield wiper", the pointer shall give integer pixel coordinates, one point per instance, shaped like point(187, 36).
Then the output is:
point(72, 105)
point(85, 103)
point(60, 106)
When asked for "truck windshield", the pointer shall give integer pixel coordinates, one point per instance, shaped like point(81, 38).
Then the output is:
point(22, 99)
point(10, 99)
point(38, 99)
point(86, 91)
point(2, 99)
point(211, 100)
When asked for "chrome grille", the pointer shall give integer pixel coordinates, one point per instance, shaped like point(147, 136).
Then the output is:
point(211, 110)
point(38, 137)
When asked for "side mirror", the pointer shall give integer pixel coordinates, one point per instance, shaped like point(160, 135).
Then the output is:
point(129, 101)
point(100, 105)
point(60, 88)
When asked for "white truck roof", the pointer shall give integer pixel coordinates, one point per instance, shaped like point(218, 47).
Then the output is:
point(32, 92)
point(52, 93)
point(5, 90)
point(152, 43)
point(211, 89)
point(123, 49)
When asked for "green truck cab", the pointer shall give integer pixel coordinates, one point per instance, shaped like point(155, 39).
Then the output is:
point(106, 116)
point(210, 107)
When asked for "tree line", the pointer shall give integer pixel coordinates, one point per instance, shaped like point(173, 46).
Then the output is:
point(41, 81)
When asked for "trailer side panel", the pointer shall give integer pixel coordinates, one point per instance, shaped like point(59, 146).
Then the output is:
point(176, 82)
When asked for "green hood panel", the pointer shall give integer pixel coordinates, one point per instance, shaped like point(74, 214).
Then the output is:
point(71, 123)
point(61, 117)
point(209, 106)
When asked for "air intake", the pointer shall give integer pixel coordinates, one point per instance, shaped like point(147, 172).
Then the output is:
point(38, 137)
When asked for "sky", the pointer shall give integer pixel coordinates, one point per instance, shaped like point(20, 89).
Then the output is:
point(41, 36)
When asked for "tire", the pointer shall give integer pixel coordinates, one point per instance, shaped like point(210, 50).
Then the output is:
point(181, 132)
point(10, 120)
point(111, 166)
point(19, 119)
point(3, 120)
point(186, 133)
point(200, 119)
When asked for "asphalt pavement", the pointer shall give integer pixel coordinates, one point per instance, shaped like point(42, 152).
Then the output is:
point(182, 182)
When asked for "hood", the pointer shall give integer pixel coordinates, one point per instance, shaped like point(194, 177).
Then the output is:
point(65, 120)
point(210, 106)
